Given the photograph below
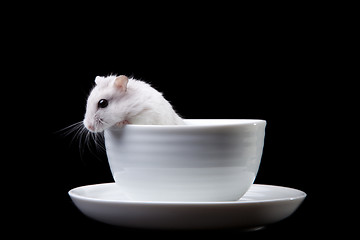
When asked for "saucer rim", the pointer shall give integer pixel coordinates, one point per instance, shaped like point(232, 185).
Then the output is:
point(299, 196)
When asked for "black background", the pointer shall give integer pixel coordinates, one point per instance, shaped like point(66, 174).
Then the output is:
point(209, 63)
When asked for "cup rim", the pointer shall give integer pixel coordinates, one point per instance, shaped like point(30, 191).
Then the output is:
point(206, 123)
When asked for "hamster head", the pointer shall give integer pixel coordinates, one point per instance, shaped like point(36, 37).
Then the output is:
point(102, 105)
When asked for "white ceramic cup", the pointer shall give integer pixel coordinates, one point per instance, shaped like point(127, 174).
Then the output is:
point(204, 160)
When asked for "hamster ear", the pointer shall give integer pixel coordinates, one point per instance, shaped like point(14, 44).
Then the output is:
point(97, 80)
point(121, 82)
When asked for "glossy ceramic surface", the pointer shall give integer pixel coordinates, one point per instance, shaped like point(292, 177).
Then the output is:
point(204, 160)
point(261, 205)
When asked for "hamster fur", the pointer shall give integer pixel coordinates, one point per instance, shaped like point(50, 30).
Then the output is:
point(119, 100)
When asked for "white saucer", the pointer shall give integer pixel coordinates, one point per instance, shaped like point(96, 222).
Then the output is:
point(261, 205)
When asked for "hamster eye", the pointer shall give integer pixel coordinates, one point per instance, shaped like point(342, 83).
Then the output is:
point(103, 103)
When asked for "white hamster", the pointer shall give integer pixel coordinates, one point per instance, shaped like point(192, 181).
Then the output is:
point(119, 100)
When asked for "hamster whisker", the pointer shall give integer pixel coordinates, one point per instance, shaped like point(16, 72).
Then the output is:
point(102, 120)
point(98, 139)
point(93, 138)
point(85, 138)
point(71, 128)
point(79, 133)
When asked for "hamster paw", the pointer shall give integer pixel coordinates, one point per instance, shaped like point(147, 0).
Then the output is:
point(122, 123)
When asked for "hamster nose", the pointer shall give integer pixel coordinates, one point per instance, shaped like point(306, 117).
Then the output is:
point(90, 127)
